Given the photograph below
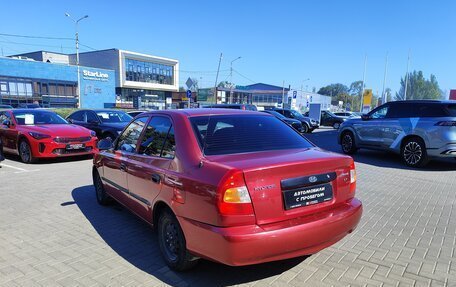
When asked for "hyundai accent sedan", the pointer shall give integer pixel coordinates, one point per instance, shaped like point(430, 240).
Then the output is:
point(236, 187)
point(34, 134)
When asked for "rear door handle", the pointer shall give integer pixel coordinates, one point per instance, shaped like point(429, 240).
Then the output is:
point(123, 167)
point(156, 178)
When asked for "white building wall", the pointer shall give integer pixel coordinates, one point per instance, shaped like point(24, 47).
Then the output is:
point(300, 100)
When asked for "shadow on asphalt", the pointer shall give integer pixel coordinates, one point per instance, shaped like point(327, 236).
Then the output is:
point(136, 242)
point(44, 161)
point(327, 139)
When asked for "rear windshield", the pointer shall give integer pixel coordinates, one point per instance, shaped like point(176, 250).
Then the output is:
point(246, 133)
point(452, 110)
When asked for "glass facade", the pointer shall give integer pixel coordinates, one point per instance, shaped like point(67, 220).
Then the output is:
point(266, 99)
point(148, 72)
point(141, 99)
point(16, 91)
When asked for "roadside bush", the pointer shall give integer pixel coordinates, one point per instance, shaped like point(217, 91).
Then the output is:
point(64, 112)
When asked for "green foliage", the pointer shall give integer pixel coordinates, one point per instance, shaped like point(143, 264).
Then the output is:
point(334, 90)
point(419, 88)
point(64, 112)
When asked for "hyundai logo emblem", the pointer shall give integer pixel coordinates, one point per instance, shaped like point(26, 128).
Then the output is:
point(313, 179)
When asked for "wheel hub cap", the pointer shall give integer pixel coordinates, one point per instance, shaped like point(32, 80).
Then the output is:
point(412, 153)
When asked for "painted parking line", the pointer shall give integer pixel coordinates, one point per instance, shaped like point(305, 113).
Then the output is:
point(18, 169)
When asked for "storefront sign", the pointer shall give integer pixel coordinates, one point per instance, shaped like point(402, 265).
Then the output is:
point(94, 76)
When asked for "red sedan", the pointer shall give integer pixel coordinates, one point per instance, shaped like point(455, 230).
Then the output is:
point(34, 134)
point(236, 187)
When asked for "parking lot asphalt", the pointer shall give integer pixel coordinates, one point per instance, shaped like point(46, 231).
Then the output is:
point(53, 233)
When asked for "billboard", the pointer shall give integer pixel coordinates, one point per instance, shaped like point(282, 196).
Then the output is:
point(367, 100)
point(453, 95)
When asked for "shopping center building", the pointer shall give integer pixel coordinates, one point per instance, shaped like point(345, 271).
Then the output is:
point(142, 81)
point(24, 80)
point(107, 79)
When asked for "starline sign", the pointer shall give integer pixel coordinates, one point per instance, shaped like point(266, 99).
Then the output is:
point(94, 76)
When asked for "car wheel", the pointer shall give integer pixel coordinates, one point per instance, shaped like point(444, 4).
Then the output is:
point(102, 197)
point(172, 243)
point(25, 152)
point(413, 152)
point(336, 125)
point(348, 143)
point(305, 128)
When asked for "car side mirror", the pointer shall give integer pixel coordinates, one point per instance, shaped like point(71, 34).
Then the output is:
point(70, 121)
point(7, 123)
point(105, 144)
point(365, 117)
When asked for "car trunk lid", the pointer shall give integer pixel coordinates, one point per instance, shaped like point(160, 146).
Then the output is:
point(275, 179)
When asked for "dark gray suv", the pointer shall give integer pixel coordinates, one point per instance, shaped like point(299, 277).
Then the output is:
point(417, 130)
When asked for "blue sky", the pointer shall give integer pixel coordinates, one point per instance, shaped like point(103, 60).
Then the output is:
point(289, 41)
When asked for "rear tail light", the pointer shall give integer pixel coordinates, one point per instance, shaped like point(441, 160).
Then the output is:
point(446, 124)
point(352, 177)
point(234, 197)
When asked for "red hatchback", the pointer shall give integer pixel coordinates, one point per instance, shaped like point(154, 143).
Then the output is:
point(236, 187)
point(34, 134)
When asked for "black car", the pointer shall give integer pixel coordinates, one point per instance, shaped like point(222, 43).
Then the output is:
point(329, 119)
point(106, 123)
point(297, 125)
point(246, 107)
point(308, 124)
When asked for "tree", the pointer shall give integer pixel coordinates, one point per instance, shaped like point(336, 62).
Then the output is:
point(224, 84)
point(334, 90)
point(419, 88)
point(356, 91)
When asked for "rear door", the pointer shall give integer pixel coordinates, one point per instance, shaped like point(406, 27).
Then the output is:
point(115, 161)
point(148, 168)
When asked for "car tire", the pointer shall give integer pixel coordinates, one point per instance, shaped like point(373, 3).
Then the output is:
point(172, 243)
point(413, 152)
point(25, 152)
point(347, 141)
point(336, 125)
point(305, 128)
point(102, 197)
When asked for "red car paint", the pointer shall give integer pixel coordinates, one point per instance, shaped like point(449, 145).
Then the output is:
point(59, 137)
point(191, 184)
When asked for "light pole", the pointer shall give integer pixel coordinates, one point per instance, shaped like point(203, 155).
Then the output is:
point(76, 22)
point(302, 84)
point(231, 79)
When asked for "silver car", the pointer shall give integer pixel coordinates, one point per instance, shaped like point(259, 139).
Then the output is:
point(417, 130)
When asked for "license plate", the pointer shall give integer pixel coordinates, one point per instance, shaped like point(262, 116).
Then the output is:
point(75, 146)
point(308, 195)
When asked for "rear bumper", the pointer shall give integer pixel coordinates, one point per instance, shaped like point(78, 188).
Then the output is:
point(245, 245)
point(448, 150)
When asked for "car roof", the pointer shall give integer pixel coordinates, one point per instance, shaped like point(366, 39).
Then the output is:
point(30, 110)
point(207, 112)
point(423, 102)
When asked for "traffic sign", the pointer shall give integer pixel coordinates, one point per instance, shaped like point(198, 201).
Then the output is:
point(295, 93)
point(189, 94)
point(189, 83)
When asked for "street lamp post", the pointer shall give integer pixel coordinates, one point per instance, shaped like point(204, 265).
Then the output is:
point(76, 22)
point(231, 79)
